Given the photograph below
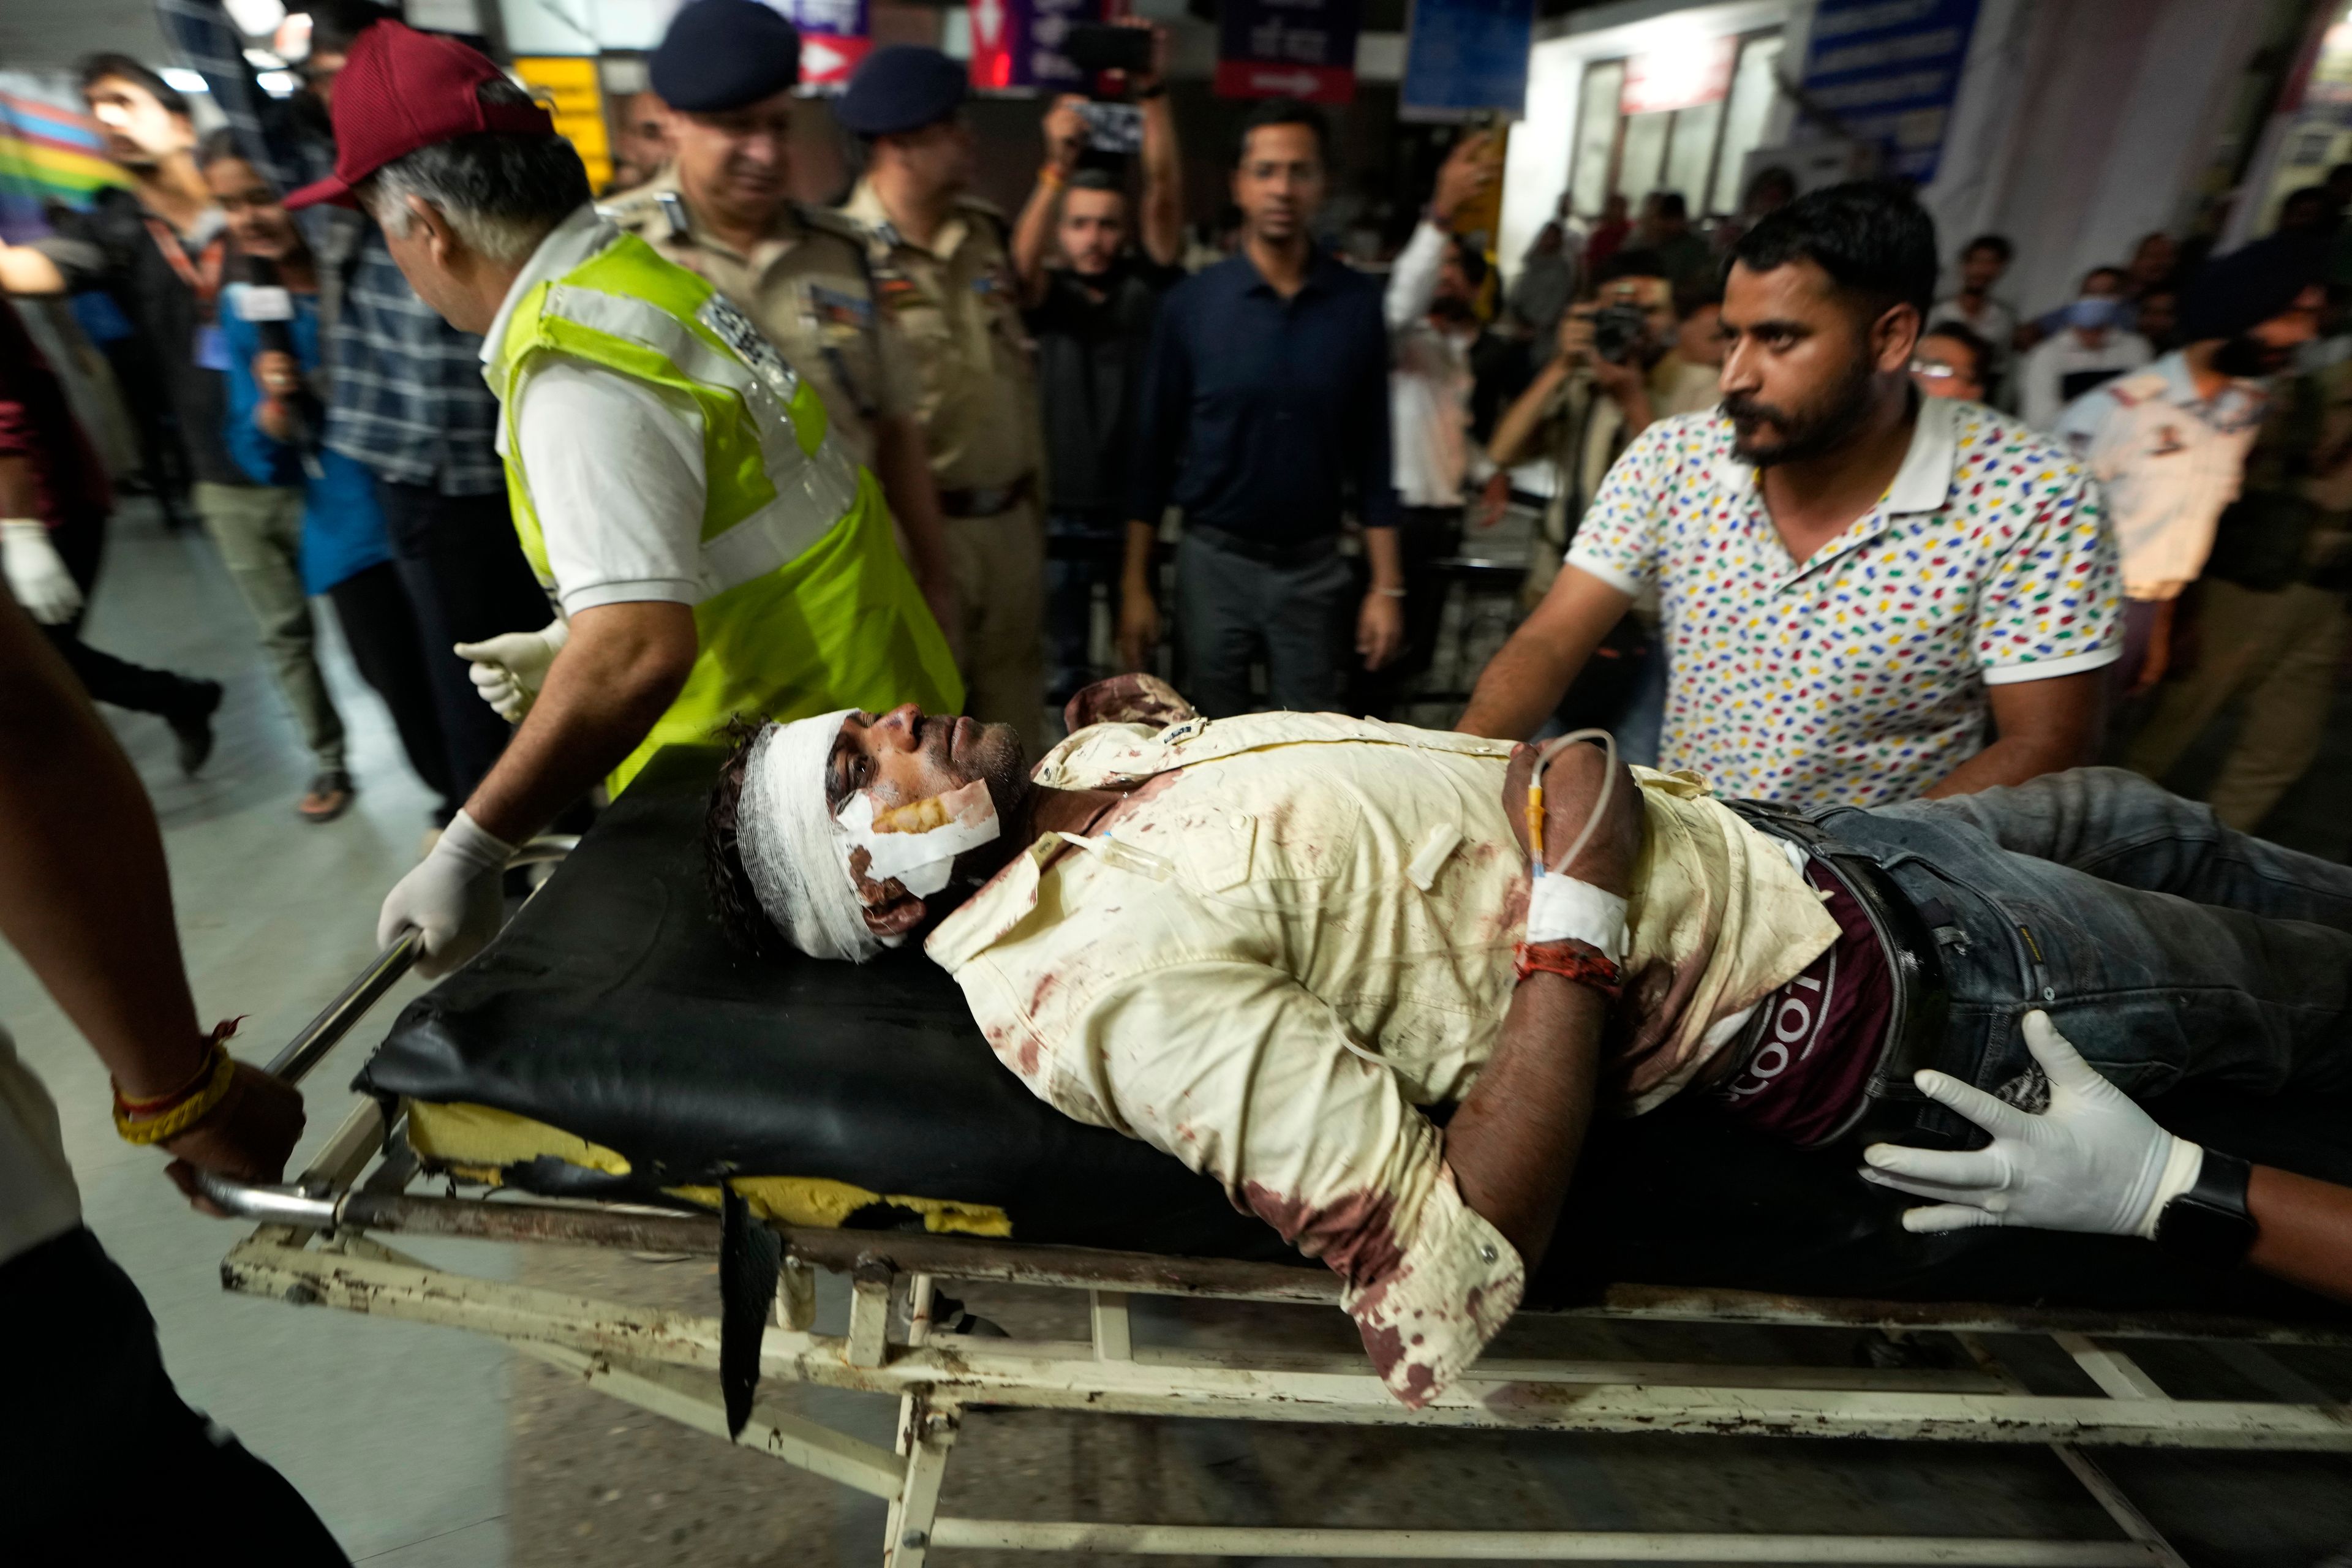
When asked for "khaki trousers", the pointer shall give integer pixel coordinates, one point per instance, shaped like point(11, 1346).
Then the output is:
point(2280, 651)
point(999, 566)
point(258, 529)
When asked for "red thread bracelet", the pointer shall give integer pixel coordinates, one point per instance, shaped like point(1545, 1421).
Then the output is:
point(1570, 960)
point(156, 1104)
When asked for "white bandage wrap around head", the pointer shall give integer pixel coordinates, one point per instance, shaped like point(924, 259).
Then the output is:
point(795, 853)
point(1561, 908)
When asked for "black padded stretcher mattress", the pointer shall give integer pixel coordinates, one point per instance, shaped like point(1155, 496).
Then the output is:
point(613, 1009)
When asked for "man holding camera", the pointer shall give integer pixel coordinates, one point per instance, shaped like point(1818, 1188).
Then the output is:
point(1090, 312)
point(1616, 371)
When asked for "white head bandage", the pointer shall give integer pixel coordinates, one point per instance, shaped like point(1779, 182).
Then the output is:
point(794, 853)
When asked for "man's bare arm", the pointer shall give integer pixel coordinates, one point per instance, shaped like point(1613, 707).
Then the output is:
point(85, 896)
point(1161, 219)
point(2304, 1231)
point(2045, 727)
point(1513, 1146)
point(1527, 677)
point(622, 668)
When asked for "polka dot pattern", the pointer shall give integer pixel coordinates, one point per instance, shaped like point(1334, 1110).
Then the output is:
point(1858, 677)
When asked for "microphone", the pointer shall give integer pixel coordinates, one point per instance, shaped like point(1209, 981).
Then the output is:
point(269, 306)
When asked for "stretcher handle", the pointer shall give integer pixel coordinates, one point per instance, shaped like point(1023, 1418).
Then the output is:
point(325, 1032)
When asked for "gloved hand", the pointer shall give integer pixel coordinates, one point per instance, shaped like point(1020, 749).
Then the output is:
point(36, 574)
point(510, 669)
point(2092, 1162)
point(452, 898)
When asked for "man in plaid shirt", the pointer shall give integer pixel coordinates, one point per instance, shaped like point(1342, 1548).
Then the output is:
point(407, 397)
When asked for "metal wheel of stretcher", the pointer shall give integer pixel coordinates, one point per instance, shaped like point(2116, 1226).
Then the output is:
point(316, 1245)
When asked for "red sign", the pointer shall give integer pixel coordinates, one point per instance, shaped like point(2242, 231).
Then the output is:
point(1256, 78)
point(1682, 79)
point(826, 62)
point(1288, 48)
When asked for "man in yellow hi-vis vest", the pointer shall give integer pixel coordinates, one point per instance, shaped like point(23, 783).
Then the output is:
point(712, 552)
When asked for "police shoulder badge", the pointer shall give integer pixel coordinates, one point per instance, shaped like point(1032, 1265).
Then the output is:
point(737, 331)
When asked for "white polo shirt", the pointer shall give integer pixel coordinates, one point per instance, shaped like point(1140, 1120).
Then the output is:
point(38, 1200)
point(615, 465)
point(1859, 676)
point(2064, 368)
point(2171, 463)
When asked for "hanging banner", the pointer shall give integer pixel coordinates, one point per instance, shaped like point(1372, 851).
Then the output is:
point(567, 84)
point(1017, 43)
point(1289, 49)
point(1462, 56)
point(834, 35)
point(1889, 72)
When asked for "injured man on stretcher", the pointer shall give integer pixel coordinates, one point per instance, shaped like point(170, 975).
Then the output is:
point(1297, 952)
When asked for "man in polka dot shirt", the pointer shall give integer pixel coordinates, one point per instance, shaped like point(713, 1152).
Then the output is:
point(1858, 584)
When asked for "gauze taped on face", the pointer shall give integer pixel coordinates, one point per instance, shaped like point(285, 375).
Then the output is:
point(917, 843)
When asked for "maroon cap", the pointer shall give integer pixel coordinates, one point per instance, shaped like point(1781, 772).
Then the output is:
point(400, 89)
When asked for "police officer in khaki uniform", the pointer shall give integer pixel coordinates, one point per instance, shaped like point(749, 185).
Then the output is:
point(723, 77)
point(943, 275)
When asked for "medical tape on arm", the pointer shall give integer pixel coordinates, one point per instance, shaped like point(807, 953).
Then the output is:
point(918, 844)
point(1561, 908)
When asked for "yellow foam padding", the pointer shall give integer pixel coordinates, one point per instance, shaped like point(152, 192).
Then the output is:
point(477, 1144)
point(460, 1135)
point(824, 1203)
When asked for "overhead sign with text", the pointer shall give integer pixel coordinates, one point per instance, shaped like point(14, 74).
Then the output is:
point(834, 35)
point(1288, 48)
point(1017, 43)
point(1889, 71)
point(1462, 56)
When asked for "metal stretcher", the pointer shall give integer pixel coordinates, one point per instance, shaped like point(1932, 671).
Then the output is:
point(323, 1240)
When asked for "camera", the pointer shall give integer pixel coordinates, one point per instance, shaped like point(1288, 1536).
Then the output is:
point(1114, 128)
point(1618, 331)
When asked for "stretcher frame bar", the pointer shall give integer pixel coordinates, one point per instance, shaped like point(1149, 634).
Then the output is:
point(315, 1247)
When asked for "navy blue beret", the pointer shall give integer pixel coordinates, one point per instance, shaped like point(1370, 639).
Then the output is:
point(2238, 292)
point(902, 87)
point(724, 54)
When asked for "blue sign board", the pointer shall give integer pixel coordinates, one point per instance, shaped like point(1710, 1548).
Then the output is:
point(1467, 55)
point(1889, 71)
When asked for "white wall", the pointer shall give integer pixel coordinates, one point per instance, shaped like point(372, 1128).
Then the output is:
point(2081, 127)
point(1536, 170)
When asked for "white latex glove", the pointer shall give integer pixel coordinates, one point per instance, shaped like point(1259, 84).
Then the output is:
point(452, 898)
point(510, 669)
point(36, 574)
point(2092, 1162)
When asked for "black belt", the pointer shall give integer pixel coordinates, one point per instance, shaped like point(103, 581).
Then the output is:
point(987, 501)
point(1268, 551)
point(1915, 1028)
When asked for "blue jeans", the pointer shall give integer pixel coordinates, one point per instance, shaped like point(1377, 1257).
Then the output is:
point(2167, 947)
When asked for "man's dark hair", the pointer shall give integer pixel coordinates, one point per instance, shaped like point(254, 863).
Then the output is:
point(1874, 240)
point(1630, 264)
point(218, 147)
point(1671, 205)
point(2103, 271)
point(1092, 179)
point(1690, 299)
point(732, 899)
point(1471, 259)
point(95, 69)
point(501, 191)
point(336, 24)
point(1286, 111)
point(1969, 338)
point(1997, 243)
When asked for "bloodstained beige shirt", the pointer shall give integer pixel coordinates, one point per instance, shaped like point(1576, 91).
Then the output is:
point(1242, 968)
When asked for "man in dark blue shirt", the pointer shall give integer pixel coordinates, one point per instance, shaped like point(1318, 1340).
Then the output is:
point(1265, 403)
